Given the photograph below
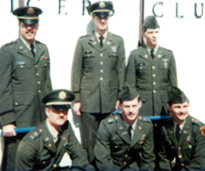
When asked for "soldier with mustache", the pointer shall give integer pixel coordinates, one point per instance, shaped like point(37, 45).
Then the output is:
point(25, 79)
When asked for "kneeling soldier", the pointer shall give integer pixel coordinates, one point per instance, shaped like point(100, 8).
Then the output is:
point(183, 137)
point(125, 142)
point(44, 147)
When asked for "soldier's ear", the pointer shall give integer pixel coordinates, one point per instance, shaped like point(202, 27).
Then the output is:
point(168, 107)
point(46, 111)
point(140, 104)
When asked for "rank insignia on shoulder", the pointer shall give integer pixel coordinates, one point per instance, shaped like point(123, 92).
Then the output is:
point(34, 135)
point(202, 128)
point(111, 120)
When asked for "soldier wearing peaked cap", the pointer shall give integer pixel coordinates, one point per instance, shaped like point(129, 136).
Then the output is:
point(183, 137)
point(97, 73)
point(125, 142)
point(53, 141)
point(25, 79)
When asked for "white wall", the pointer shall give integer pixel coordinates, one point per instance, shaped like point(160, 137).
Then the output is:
point(185, 37)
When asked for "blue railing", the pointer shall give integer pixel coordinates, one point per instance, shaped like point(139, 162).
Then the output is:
point(153, 118)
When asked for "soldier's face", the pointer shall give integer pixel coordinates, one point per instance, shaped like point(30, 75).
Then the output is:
point(28, 31)
point(101, 23)
point(130, 110)
point(57, 118)
point(151, 37)
point(179, 111)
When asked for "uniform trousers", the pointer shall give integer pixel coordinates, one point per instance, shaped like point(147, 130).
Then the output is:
point(90, 124)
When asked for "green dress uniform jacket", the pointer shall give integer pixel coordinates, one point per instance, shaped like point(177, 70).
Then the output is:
point(24, 81)
point(189, 152)
point(37, 150)
point(152, 78)
point(115, 151)
point(97, 73)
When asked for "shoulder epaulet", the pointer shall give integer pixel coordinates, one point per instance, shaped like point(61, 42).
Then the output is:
point(166, 49)
point(35, 134)
point(112, 118)
point(40, 42)
point(115, 35)
point(197, 122)
point(137, 49)
point(12, 42)
point(85, 36)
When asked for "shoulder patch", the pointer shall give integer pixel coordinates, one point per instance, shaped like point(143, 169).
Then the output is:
point(202, 128)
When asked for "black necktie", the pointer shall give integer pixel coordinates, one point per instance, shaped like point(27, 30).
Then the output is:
point(130, 131)
point(32, 50)
point(101, 41)
point(59, 138)
point(152, 53)
point(177, 132)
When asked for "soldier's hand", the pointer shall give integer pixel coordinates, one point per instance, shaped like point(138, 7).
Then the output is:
point(77, 108)
point(9, 130)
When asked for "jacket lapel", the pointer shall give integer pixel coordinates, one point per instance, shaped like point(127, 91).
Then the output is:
point(108, 42)
point(48, 140)
point(145, 54)
point(23, 50)
point(122, 131)
point(186, 131)
point(171, 132)
point(39, 52)
point(160, 54)
point(138, 134)
point(93, 42)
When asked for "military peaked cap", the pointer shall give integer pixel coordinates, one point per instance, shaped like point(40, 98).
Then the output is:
point(150, 22)
point(59, 99)
point(177, 96)
point(127, 93)
point(28, 15)
point(101, 9)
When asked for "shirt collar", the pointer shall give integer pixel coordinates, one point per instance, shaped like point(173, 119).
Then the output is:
point(52, 130)
point(27, 43)
point(104, 35)
point(180, 125)
point(155, 49)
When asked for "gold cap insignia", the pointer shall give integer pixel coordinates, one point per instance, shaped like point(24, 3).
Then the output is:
point(102, 4)
point(30, 11)
point(62, 95)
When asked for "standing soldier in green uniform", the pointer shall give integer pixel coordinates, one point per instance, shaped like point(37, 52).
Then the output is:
point(152, 71)
point(25, 79)
point(45, 147)
point(97, 74)
point(125, 142)
point(183, 137)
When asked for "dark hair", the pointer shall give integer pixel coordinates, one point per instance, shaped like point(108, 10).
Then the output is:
point(138, 99)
